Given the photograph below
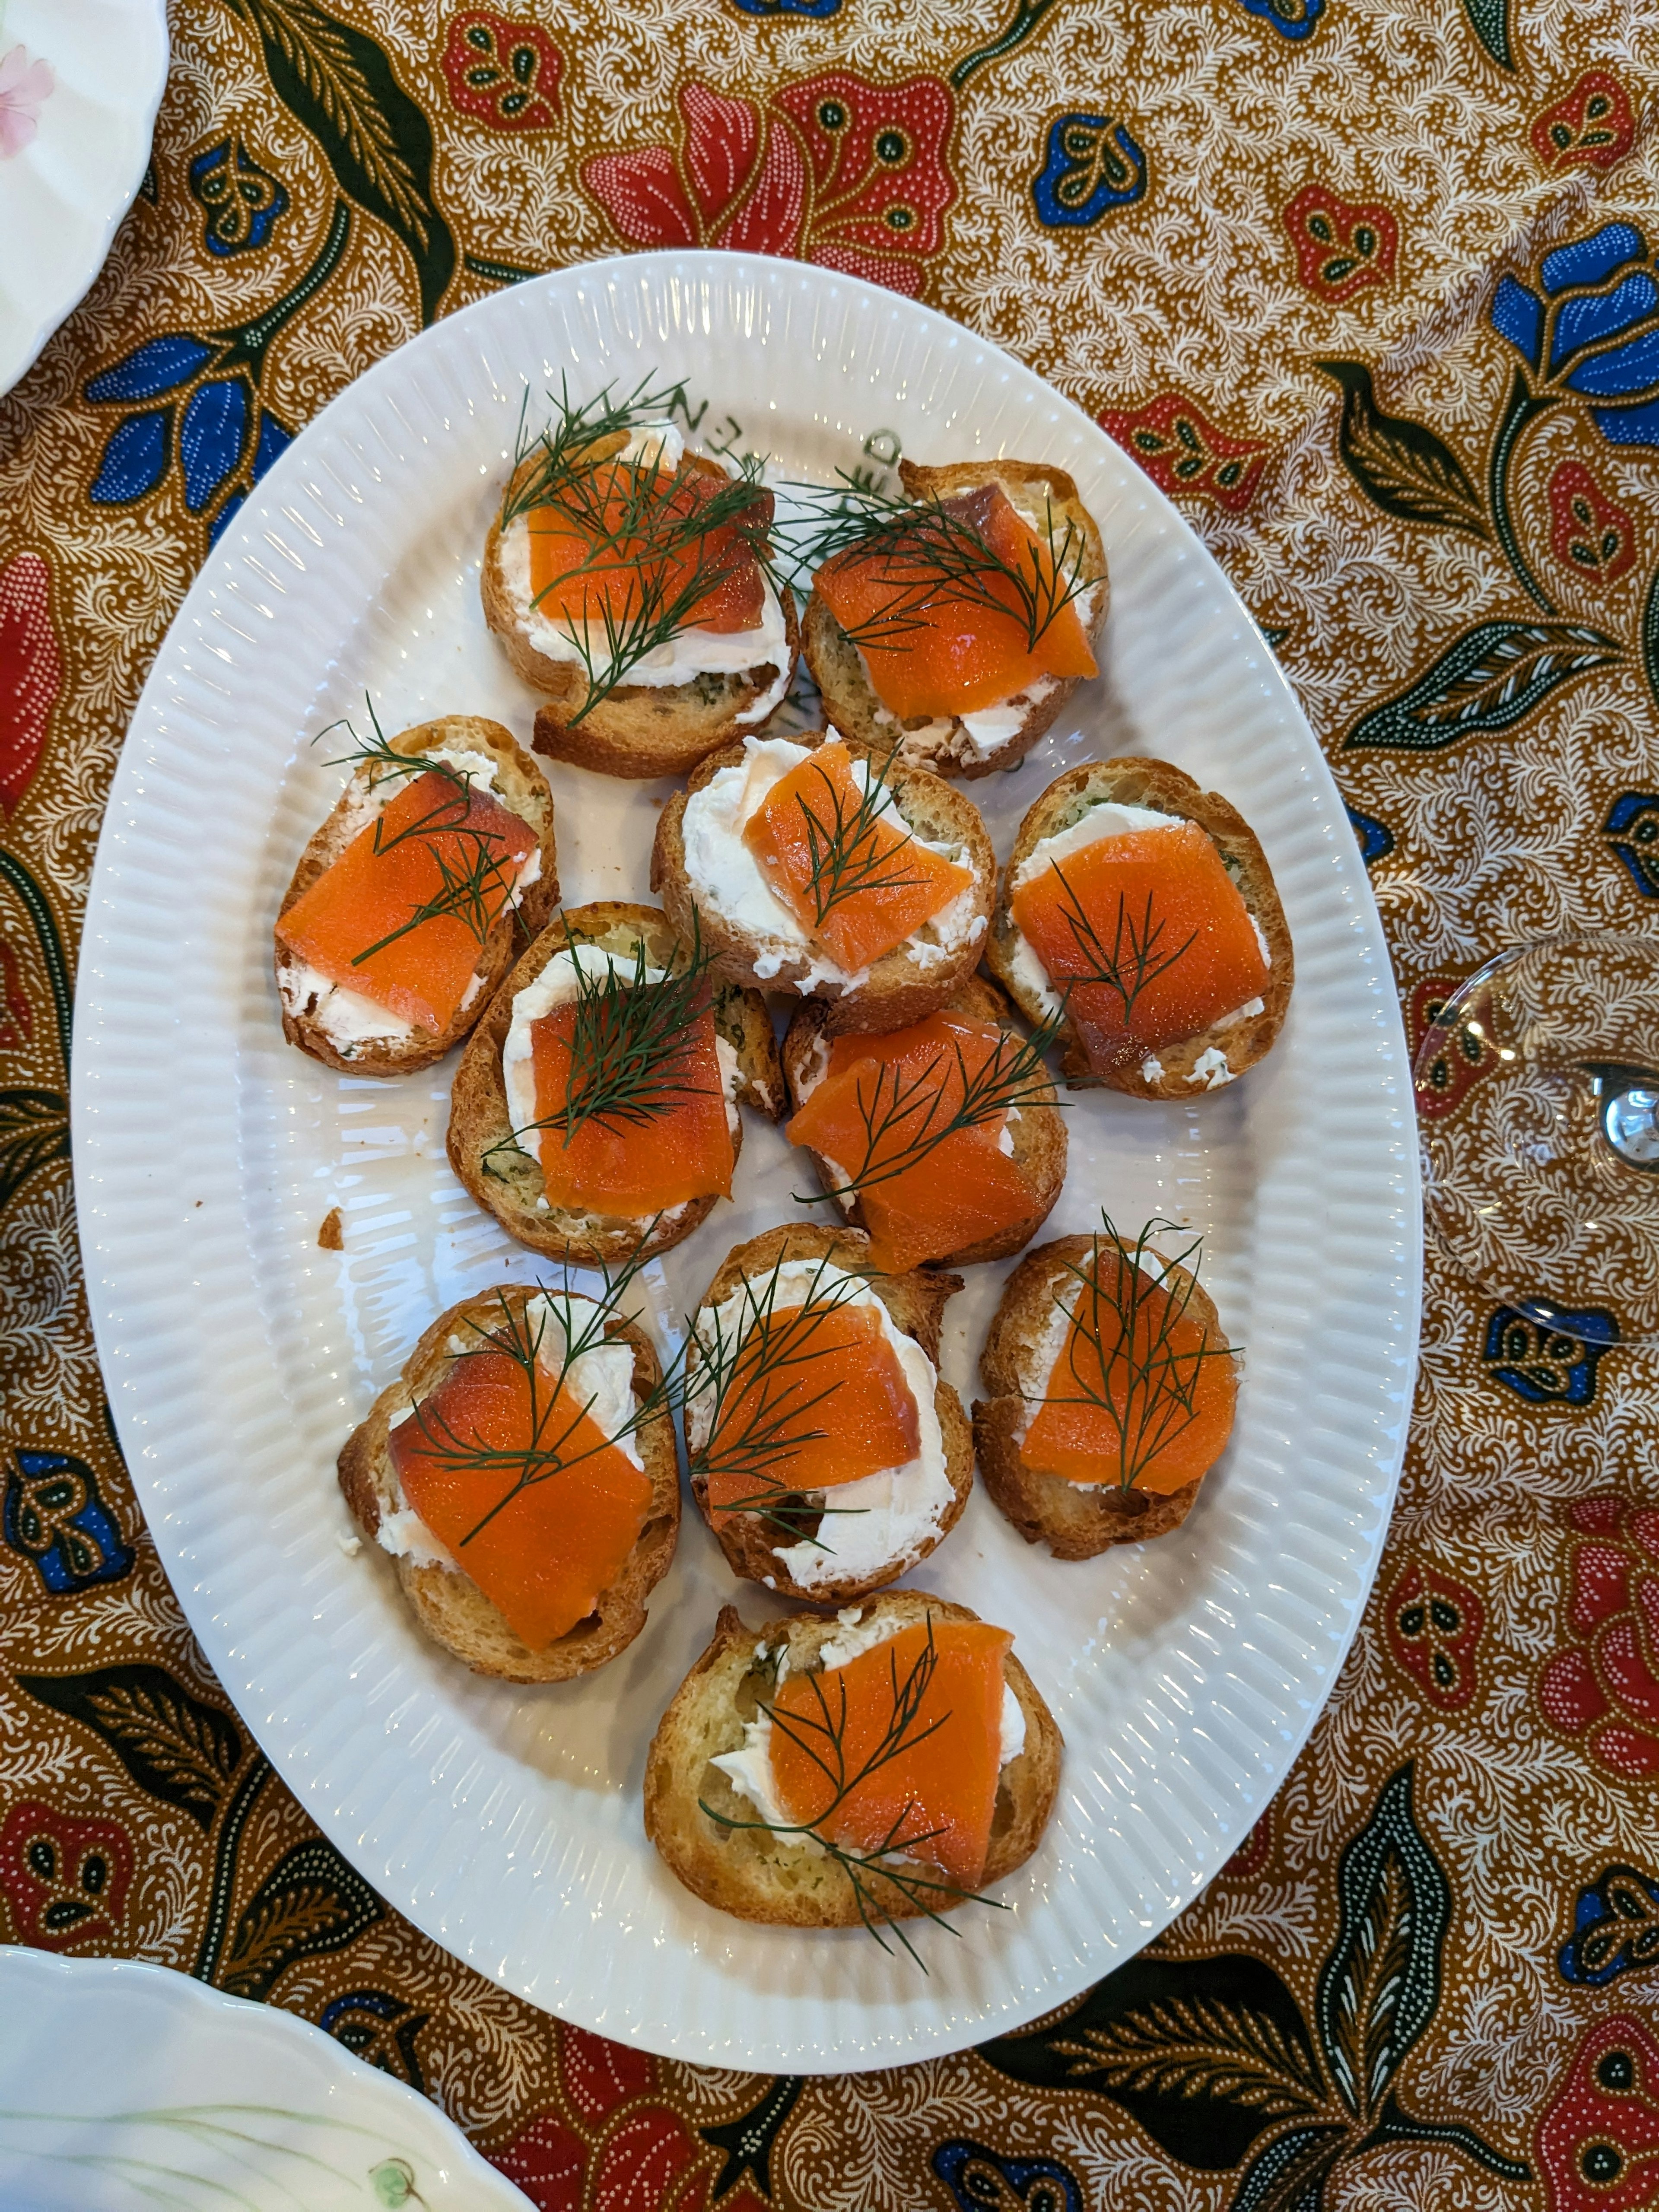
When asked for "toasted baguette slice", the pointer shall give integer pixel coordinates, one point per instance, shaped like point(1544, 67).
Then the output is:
point(449, 1607)
point(1135, 782)
point(788, 1881)
point(522, 788)
point(638, 730)
point(946, 745)
point(506, 1182)
point(1075, 1520)
point(1038, 1134)
point(916, 1303)
point(901, 987)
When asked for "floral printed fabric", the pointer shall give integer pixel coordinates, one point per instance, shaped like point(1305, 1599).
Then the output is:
point(1370, 287)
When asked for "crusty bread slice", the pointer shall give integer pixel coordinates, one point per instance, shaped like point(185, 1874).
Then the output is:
point(639, 730)
point(1151, 783)
point(916, 1303)
point(522, 788)
point(1076, 1521)
point(1038, 1133)
point(788, 1881)
point(944, 744)
point(451, 1607)
point(897, 989)
point(506, 1182)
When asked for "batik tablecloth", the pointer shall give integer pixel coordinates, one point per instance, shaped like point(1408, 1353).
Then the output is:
point(1368, 286)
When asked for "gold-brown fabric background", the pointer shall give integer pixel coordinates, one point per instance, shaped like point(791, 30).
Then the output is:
point(1284, 249)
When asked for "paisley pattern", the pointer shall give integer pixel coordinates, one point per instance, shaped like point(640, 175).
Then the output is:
point(1373, 296)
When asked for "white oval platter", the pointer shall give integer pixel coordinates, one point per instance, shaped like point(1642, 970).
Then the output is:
point(506, 1822)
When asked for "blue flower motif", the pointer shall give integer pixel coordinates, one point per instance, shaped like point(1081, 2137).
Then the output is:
point(135, 459)
point(982, 2181)
point(1375, 838)
point(1291, 19)
point(243, 202)
point(162, 365)
point(1592, 328)
point(819, 9)
point(1092, 164)
point(55, 1516)
point(1615, 1928)
point(210, 438)
point(1633, 829)
point(1553, 1365)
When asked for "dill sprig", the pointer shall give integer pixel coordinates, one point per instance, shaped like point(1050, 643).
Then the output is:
point(548, 1450)
point(747, 1428)
point(549, 462)
point(931, 547)
point(906, 1111)
point(1122, 1333)
point(877, 1883)
point(1134, 959)
point(845, 855)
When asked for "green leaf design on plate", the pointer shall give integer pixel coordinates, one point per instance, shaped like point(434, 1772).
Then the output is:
point(172, 1744)
point(34, 1132)
point(1492, 677)
point(1401, 466)
point(339, 83)
point(311, 1902)
point(1490, 20)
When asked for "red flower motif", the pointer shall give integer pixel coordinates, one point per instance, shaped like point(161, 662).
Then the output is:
point(66, 1881)
point(31, 672)
point(502, 73)
point(598, 2075)
point(836, 170)
point(1591, 127)
point(652, 2162)
point(548, 2162)
point(1589, 533)
point(1341, 245)
point(16, 1015)
point(1598, 2142)
point(1433, 1627)
point(1183, 451)
point(1462, 1055)
point(1605, 1688)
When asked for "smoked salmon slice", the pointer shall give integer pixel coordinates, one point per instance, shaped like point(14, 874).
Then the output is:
point(623, 541)
point(855, 884)
point(935, 1797)
point(440, 849)
point(1135, 1398)
point(816, 1398)
point(520, 1486)
point(882, 1115)
point(666, 1146)
point(1148, 936)
point(940, 636)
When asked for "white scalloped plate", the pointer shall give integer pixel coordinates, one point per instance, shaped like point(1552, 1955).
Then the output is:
point(62, 197)
point(506, 1822)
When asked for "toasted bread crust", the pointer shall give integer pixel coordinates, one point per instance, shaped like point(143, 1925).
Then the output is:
point(509, 1184)
point(1039, 1134)
point(897, 989)
point(522, 787)
point(761, 1877)
point(944, 744)
point(916, 1303)
point(1075, 1520)
point(1136, 782)
point(639, 730)
point(451, 1608)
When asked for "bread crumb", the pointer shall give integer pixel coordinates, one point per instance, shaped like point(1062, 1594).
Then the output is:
point(350, 1545)
point(331, 1237)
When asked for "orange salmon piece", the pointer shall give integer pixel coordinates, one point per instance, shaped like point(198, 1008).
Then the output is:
point(543, 1557)
point(394, 866)
point(617, 542)
point(942, 1786)
point(888, 884)
point(1151, 935)
point(668, 1147)
point(939, 642)
point(1116, 1395)
point(816, 1398)
point(882, 1114)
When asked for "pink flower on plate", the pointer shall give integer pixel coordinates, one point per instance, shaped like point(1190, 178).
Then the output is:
point(23, 85)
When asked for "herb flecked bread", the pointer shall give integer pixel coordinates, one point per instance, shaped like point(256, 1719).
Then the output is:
point(449, 1607)
point(916, 1303)
point(505, 1180)
point(943, 744)
point(522, 788)
point(789, 1881)
point(639, 730)
point(905, 983)
point(1076, 1521)
point(1038, 1133)
point(1155, 784)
